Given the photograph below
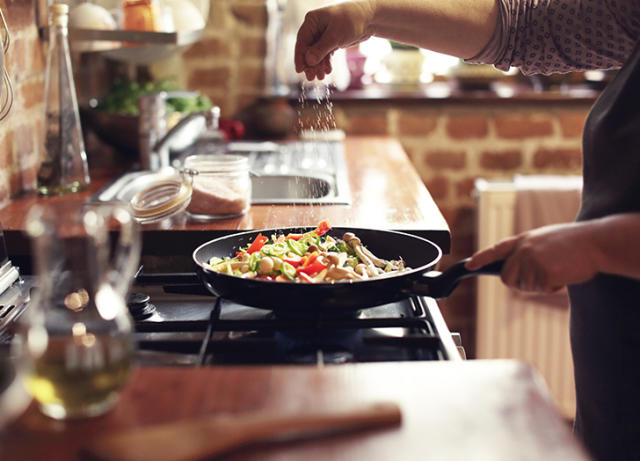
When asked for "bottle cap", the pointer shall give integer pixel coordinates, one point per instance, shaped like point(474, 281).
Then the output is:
point(59, 8)
point(59, 14)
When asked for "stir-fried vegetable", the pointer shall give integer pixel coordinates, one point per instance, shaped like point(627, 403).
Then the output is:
point(311, 257)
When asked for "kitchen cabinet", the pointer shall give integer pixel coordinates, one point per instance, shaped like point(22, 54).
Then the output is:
point(495, 410)
point(386, 193)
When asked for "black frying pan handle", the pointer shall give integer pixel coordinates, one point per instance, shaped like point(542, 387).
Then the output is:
point(441, 285)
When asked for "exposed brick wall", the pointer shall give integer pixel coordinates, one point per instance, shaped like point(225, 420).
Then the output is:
point(451, 145)
point(228, 63)
point(25, 62)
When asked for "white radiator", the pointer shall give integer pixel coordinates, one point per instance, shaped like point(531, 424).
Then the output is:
point(532, 328)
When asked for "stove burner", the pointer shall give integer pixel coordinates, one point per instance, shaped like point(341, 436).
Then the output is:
point(320, 345)
point(306, 355)
point(139, 306)
point(211, 330)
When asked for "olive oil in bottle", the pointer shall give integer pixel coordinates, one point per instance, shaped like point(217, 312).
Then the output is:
point(75, 342)
point(64, 166)
point(80, 376)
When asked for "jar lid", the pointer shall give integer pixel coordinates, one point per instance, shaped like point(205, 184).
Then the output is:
point(160, 200)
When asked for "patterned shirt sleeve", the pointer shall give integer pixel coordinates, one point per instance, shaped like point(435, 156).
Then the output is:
point(549, 36)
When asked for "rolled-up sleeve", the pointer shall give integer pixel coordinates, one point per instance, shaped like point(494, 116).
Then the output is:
point(549, 36)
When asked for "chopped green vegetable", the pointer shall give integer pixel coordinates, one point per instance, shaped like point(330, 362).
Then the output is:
point(310, 238)
point(296, 247)
point(254, 260)
point(343, 247)
point(123, 96)
point(215, 260)
point(275, 249)
point(288, 270)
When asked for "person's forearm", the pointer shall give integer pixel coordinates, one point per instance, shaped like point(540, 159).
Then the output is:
point(456, 27)
point(617, 239)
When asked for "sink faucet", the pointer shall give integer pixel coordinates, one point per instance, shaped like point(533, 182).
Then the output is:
point(154, 140)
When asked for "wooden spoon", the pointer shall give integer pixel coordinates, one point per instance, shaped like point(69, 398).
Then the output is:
point(214, 436)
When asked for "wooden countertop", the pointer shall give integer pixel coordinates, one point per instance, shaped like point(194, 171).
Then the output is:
point(386, 193)
point(475, 410)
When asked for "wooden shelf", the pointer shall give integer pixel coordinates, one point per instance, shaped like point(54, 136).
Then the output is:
point(137, 36)
point(143, 47)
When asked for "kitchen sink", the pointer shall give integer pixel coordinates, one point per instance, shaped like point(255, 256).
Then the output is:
point(305, 172)
point(289, 189)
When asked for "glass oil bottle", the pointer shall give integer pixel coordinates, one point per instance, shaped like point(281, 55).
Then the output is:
point(64, 166)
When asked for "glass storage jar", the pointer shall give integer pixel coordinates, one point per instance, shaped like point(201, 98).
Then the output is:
point(141, 15)
point(221, 186)
point(164, 198)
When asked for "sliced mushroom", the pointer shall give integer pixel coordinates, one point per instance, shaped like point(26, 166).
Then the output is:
point(365, 254)
point(320, 276)
point(337, 259)
point(339, 273)
point(361, 269)
point(372, 271)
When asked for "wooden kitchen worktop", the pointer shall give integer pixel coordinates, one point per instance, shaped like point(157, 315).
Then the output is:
point(386, 193)
point(480, 410)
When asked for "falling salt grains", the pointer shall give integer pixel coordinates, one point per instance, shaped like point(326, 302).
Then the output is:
point(316, 118)
point(315, 121)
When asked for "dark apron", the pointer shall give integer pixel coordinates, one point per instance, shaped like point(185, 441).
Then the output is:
point(605, 312)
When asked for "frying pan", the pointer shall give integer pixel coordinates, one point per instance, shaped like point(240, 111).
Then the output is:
point(302, 299)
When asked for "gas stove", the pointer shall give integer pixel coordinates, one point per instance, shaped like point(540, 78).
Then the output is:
point(178, 323)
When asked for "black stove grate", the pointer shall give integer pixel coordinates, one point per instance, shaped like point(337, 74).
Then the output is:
point(205, 330)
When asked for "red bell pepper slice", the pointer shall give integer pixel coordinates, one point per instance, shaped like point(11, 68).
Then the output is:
point(312, 268)
point(306, 260)
point(323, 228)
point(257, 244)
point(294, 261)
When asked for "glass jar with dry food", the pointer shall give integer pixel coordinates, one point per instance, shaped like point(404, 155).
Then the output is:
point(141, 15)
point(221, 186)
